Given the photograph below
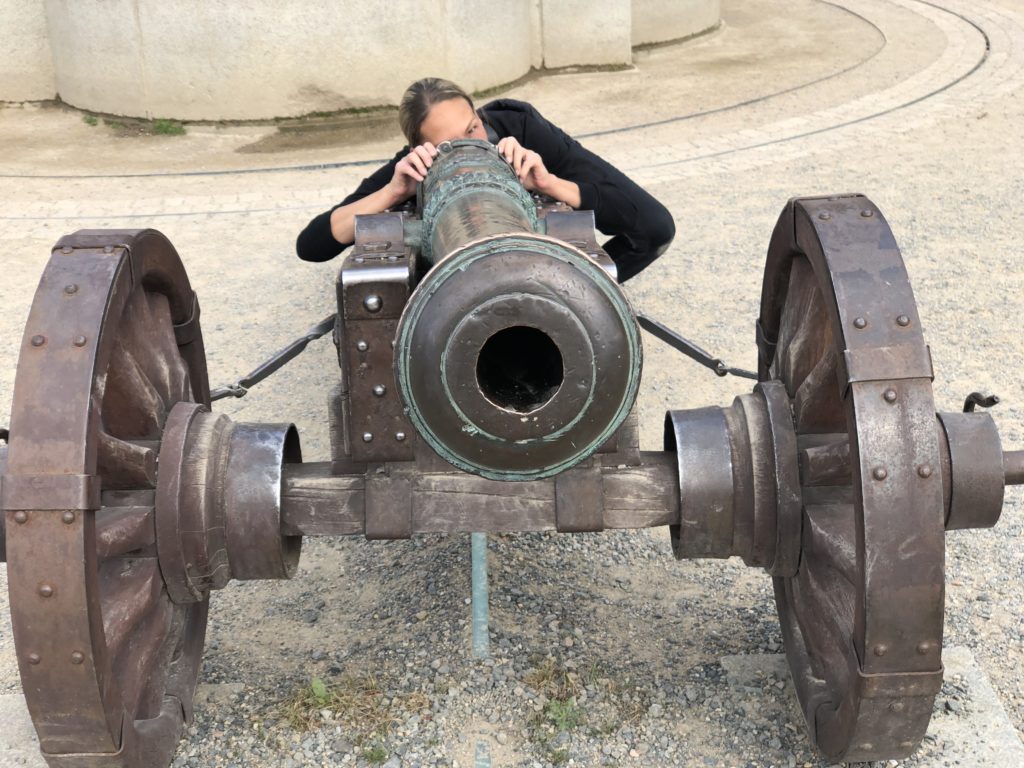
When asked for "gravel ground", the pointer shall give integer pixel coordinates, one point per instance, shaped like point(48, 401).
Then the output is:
point(606, 651)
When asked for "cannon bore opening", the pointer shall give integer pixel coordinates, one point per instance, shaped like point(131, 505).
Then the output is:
point(519, 369)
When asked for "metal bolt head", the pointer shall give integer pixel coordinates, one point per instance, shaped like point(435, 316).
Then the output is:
point(860, 323)
point(373, 303)
point(68, 517)
point(400, 437)
point(79, 341)
point(923, 648)
point(33, 658)
point(825, 216)
point(896, 706)
point(881, 649)
point(890, 395)
point(20, 516)
point(66, 249)
point(38, 340)
point(879, 473)
point(379, 390)
point(362, 346)
point(46, 590)
point(924, 470)
point(108, 249)
point(903, 321)
point(70, 289)
point(77, 657)
point(867, 214)
point(367, 437)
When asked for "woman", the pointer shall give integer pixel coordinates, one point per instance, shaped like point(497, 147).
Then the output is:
point(545, 158)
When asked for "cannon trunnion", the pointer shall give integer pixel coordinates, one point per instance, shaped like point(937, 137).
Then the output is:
point(489, 366)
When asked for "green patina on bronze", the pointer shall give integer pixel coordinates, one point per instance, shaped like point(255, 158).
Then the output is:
point(492, 268)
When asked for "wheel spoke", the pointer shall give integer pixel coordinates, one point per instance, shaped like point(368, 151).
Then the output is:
point(817, 406)
point(830, 539)
point(131, 590)
point(125, 465)
point(801, 342)
point(132, 406)
point(120, 530)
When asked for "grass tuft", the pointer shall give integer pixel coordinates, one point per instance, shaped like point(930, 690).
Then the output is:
point(168, 128)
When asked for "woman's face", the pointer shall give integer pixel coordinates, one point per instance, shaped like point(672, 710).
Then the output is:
point(450, 120)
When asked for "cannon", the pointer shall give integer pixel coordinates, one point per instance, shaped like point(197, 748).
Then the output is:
point(489, 365)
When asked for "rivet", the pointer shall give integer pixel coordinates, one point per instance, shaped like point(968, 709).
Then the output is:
point(20, 516)
point(923, 648)
point(362, 346)
point(924, 470)
point(70, 289)
point(68, 517)
point(367, 437)
point(890, 395)
point(867, 214)
point(896, 706)
point(108, 249)
point(400, 436)
point(379, 390)
point(79, 341)
point(879, 473)
point(825, 216)
point(77, 657)
point(33, 658)
point(66, 249)
point(38, 340)
point(860, 322)
point(373, 303)
point(903, 320)
point(46, 590)
point(359, 259)
point(880, 649)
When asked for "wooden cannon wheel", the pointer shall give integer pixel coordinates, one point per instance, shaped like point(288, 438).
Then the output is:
point(862, 618)
point(108, 662)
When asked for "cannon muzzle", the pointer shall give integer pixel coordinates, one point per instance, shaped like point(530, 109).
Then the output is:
point(518, 355)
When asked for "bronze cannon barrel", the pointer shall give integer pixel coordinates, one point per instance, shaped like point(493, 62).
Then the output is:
point(518, 355)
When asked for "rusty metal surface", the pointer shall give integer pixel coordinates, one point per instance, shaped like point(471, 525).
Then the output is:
point(373, 287)
point(250, 477)
point(108, 662)
point(862, 618)
point(977, 476)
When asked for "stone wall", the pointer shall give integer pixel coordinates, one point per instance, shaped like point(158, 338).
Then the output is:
point(195, 60)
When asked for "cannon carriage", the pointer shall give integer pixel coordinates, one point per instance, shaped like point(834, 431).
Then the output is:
point(488, 370)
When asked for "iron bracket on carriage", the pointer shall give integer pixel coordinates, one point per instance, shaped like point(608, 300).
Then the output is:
point(489, 366)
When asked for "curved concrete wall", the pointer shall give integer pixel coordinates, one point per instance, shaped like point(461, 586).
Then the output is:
point(657, 21)
point(26, 65)
point(196, 60)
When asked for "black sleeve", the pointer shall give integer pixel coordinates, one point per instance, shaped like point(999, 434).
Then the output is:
point(315, 242)
point(614, 198)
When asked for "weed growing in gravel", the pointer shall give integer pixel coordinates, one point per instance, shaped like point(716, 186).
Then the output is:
point(375, 755)
point(359, 704)
point(89, 119)
point(563, 715)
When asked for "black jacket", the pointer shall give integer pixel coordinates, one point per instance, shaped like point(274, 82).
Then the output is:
point(605, 190)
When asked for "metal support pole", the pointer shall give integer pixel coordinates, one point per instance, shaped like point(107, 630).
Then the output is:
point(481, 639)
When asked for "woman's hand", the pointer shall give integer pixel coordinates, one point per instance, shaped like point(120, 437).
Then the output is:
point(411, 169)
point(535, 176)
point(527, 164)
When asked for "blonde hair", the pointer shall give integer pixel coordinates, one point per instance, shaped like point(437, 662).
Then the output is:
point(419, 98)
